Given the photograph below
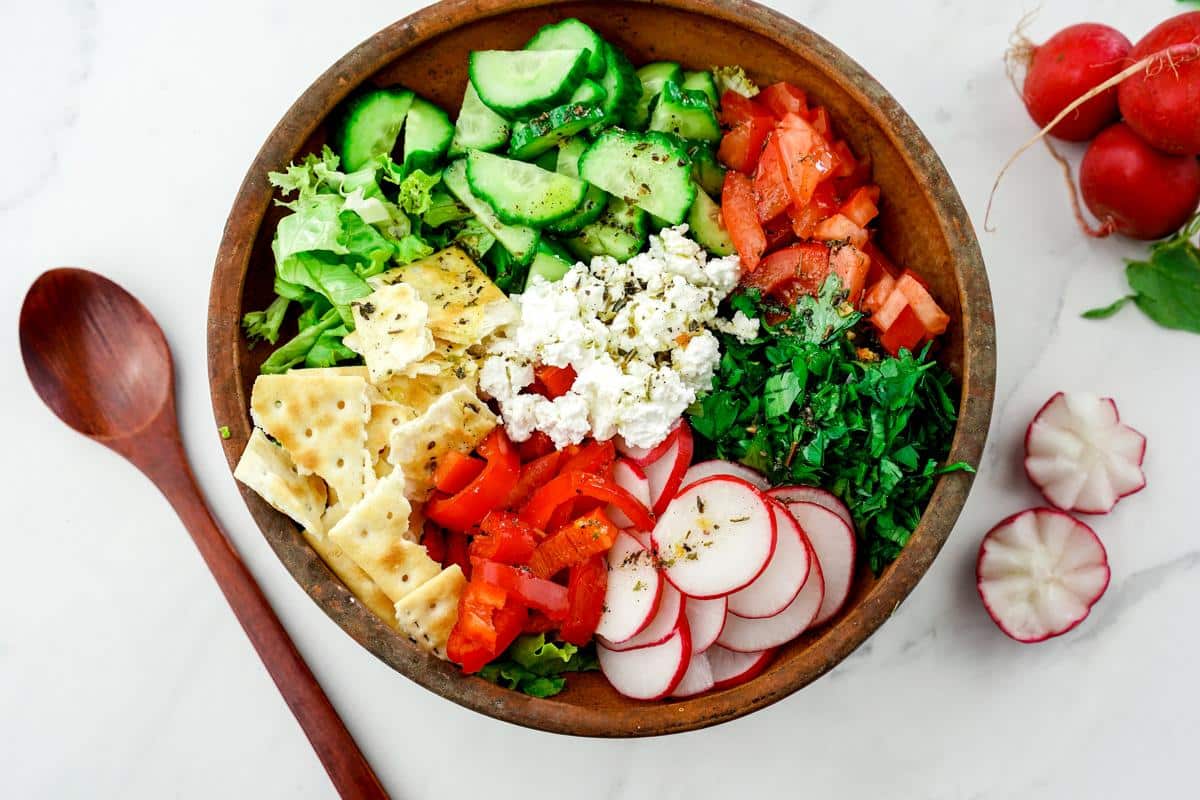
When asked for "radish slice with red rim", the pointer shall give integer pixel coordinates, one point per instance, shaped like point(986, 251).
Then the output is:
point(706, 619)
point(629, 476)
point(777, 586)
point(634, 586)
point(648, 673)
point(751, 635)
point(730, 668)
point(834, 543)
point(666, 472)
point(707, 469)
point(644, 455)
point(813, 494)
point(1081, 456)
point(666, 620)
point(715, 537)
point(697, 679)
point(1039, 573)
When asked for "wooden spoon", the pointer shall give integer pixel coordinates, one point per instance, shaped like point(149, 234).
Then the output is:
point(96, 356)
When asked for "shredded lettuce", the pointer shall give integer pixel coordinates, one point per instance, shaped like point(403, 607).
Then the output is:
point(444, 209)
point(264, 325)
point(734, 78)
point(415, 194)
point(537, 667)
point(296, 350)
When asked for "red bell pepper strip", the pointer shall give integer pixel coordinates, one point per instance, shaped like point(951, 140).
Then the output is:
point(488, 491)
point(739, 211)
point(557, 381)
point(489, 619)
point(594, 457)
point(538, 622)
point(585, 594)
point(458, 552)
point(573, 543)
point(537, 593)
point(434, 540)
point(572, 485)
point(534, 474)
point(456, 471)
point(537, 445)
point(504, 538)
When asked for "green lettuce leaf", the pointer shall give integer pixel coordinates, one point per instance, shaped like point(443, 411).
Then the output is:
point(443, 209)
point(475, 238)
point(328, 350)
point(325, 274)
point(264, 325)
point(536, 667)
point(411, 248)
point(415, 193)
point(296, 350)
point(364, 244)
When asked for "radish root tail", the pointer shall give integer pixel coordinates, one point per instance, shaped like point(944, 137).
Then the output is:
point(1021, 48)
point(1107, 227)
point(1153, 64)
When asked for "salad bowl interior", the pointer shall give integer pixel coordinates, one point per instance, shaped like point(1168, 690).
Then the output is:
point(923, 225)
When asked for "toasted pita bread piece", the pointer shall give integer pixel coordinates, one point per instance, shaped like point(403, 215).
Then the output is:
point(456, 421)
point(391, 330)
point(428, 615)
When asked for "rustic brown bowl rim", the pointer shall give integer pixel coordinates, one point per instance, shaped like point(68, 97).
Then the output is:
point(834, 644)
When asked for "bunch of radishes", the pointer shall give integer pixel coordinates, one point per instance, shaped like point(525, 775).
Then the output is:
point(1138, 105)
point(1040, 571)
point(731, 572)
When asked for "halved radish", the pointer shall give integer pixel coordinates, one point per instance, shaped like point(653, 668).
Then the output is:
point(644, 455)
point(634, 586)
point(697, 679)
point(715, 537)
point(1080, 454)
point(629, 476)
point(648, 673)
point(706, 469)
point(833, 542)
point(665, 473)
point(705, 619)
point(751, 635)
point(666, 620)
point(813, 494)
point(1039, 573)
point(729, 668)
point(777, 586)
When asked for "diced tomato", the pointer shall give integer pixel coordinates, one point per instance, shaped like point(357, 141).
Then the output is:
point(926, 309)
point(779, 232)
point(505, 538)
point(534, 474)
point(806, 218)
point(537, 593)
point(782, 99)
point(458, 551)
point(805, 157)
point(845, 164)
point(737, 109)
point(791, 272)
point(455, 471)
point(573, 543)
point(851, 265)
point(488, 491)
point(821, 122)
point(586, 587)
point(557, 381)
point(594, 457)
point(860, 177)
point(742, 145)
point(537, 445)
point(905, 332)
point(434, 540)
point(489, 619)
point(770, 189)
point(878, 294)
point(839, 227)
point(880, 263)
point(740, 213)
point(860, 206)
point(890, 310)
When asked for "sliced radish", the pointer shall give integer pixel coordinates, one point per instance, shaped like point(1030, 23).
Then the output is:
point(1039, 573)
point(697, 679)
point(648, 673)
point(752, 635)
point(644, 455)
point(832, 539)
point(665, 473)
point(715, 537)
point(666, 620)
point(706, 469)
point(634, 586)
point(729, 668)
point(705, 619)
point(629, 476)
point(1080, 454)
point(812, 494)
point(777, 586)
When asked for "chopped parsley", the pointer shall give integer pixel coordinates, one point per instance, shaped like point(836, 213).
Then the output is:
point(805, 403)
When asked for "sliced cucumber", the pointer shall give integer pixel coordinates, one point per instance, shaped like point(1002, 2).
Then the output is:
point(652, 77)
point(533, 137)
point(569, 153)
point(478, 127)
point(507, 273)
point(702, 82)
point(518, 240)
point(649, 169)
point(589, 93)
point(588, 212)
point(571, 34)
point(427, 135)
point(370, 125)
point(621, 86)
point(521, 193)
point(685, 113)
point(706, 170)
point(550, 261)
point(517, 82)
point(548, 160)
point(708, 227)
point(620, 232)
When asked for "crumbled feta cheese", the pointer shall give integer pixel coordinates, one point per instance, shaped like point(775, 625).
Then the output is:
point(637, 335)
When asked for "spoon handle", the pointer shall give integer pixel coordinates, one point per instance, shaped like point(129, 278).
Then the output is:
point(347, 767)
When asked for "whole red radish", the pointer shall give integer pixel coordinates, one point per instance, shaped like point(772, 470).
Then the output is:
point(1163, 102)
point(1135, 189)
point(1065, 67)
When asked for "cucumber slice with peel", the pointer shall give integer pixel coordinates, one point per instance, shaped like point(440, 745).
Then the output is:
point(550, 262)
point(519, 240)
point(571, 34)
point(706, 170)
point(370, 125)
point(685, 113)
point(702, 82)
point(620, 232)
point(651, 170)
point(589, 93)
point(652, 77)
point(708, 227)
point(519, 82)
point(535, 136)
point(478, 127)
point(569, 153)
point(427, 135)
point(522, 193)
point(621, 86)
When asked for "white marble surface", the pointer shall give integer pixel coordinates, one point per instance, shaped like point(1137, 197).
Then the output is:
point(128, 126)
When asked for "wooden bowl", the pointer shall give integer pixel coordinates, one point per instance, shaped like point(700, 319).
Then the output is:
point(923, 225)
